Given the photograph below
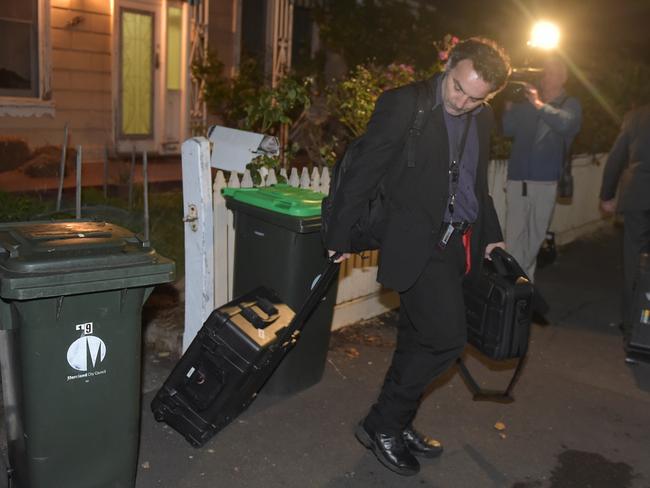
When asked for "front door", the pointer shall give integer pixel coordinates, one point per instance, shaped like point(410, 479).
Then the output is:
point(137, 76)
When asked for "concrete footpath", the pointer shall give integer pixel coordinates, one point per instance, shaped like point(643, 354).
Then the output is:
point(581, 416)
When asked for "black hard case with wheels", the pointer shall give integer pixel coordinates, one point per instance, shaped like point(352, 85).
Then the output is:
point(638, 344)
point(230, 359)
point(498, 308)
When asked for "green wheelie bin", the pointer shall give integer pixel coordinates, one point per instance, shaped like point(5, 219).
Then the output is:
point(71, 296)
point(278, 244)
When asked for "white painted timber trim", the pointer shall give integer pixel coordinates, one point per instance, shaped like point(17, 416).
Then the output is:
point(364, 307)
point(26, 107)
point(199, 236)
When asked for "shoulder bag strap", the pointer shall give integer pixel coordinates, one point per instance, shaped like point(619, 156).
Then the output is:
point(481, 394)
point(423, 105)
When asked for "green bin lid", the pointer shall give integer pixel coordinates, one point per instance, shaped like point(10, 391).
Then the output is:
point(281, 198)
point(45, 259)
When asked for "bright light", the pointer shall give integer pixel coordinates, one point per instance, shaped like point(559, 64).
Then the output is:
point(545, 35)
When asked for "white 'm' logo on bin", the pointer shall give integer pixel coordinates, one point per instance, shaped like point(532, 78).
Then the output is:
point(86, 353)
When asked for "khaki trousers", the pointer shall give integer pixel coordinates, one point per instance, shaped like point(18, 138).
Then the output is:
point(527, 220)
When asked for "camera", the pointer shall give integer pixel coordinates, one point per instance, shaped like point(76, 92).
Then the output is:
point(515, 89)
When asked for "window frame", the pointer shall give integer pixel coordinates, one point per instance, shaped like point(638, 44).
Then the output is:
point(42, 104)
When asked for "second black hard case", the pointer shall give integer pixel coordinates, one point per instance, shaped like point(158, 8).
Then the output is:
point(499, 308)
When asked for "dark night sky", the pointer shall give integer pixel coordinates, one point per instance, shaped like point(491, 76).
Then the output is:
point(588, 26)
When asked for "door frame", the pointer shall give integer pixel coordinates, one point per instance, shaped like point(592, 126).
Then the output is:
point(150, 143)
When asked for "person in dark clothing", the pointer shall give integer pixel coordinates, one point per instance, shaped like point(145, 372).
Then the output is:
point(631, 150)
point(441, 222)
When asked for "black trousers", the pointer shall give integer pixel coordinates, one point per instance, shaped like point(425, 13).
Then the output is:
point(431, 336)
point(636, 238)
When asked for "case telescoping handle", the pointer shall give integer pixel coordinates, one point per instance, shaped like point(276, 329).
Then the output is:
point(319, 288)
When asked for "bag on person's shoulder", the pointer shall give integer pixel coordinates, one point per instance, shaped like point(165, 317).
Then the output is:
point(368, 230)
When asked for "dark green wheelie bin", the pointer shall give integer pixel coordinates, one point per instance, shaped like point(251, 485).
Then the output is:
point(71, 296)
point(278, 245)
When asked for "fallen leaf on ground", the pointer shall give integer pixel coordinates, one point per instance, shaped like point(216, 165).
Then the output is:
point(352, 352)
point(500, 426)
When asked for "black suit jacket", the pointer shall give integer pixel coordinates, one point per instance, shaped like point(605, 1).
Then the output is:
point(417, 196)
point(631, 150)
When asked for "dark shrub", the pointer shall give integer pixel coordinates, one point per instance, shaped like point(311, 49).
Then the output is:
point(13, 153)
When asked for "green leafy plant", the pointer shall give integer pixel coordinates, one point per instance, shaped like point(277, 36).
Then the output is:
point(273, 107)
point(270, 110)
point(262, 164)
point(353, 99)
point(228, 97)
point(14, 208)
point(328, 151)
point(244, 102)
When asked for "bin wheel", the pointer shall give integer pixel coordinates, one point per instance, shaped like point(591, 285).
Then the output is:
point(159, 414)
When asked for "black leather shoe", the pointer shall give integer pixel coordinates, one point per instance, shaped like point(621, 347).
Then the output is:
point(391, 451)
point(421, 445)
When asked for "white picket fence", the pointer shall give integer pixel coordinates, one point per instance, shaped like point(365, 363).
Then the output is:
point(210, 236)
point(210, 244)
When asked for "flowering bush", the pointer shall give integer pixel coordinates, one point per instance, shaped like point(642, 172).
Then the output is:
point(444, 46)
point(353, 100)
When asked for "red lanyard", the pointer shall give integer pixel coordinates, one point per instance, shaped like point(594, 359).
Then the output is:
point(467, 239)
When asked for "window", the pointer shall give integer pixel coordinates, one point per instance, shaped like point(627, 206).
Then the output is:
point(253, 32)
point(137, 30)
point(174, 31)
point(19, 49)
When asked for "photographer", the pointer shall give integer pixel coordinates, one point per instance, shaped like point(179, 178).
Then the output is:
point(542, 126)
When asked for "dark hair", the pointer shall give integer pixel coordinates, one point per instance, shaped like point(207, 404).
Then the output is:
point(490, 60)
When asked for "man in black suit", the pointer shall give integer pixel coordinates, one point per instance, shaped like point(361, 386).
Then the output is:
point(631, 150)
point(440, 223)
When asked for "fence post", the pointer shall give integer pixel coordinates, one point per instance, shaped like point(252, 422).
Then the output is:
point(325, 180)
point(271, 179)
point(304, 178)
point(199, 235)
point(78, 185)
point(247, 180)
point(131, 177)
point(105, 171)
point(64, 155)
point(315, 179)
point(222, 291)
point(294, 180)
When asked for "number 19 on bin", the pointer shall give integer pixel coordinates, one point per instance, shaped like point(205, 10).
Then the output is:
point(85, 329)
